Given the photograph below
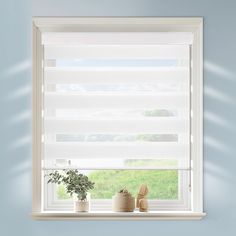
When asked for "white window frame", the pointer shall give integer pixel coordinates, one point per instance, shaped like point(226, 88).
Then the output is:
point(124, 24)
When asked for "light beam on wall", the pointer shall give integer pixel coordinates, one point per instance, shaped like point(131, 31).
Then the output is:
point(20, 117)
point(18, 68)
point(20, 92)
point(21, 142)
point(214, 143)
point(216, 94)
point(218, 70)
point(216, 119)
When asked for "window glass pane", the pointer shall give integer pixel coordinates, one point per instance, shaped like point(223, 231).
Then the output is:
point(121, 117)
point(162, 184)
point(114, 113)
point(116, 138)
point(117, 62)
point(146, 88)
point(113, 163)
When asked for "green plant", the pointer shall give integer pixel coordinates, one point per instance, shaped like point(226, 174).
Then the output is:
point(74, 182)
point(123, 190)
point(163, 184)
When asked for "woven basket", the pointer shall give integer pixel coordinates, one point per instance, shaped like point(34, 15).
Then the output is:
point(123, 202)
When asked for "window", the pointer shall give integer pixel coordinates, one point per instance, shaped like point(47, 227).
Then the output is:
point(119, 99)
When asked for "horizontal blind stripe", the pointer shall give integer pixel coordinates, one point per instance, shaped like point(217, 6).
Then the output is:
point(118, 150)
point(87, 38)
point(67, 76)
point(171, 100)
point(119, 168)
point(159, 125)
point(117, 52)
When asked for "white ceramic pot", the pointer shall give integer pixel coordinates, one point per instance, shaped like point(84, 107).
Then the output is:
point(81, 206)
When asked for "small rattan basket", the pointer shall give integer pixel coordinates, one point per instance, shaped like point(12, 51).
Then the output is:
point(123, 202)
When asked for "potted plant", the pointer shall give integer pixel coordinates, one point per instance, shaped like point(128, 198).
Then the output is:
point(76, 184)
point(123, 201)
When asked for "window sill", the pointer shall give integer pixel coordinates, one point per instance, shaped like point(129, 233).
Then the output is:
point(108, 215)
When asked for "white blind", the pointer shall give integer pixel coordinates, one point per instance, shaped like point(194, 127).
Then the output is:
point(111, 103)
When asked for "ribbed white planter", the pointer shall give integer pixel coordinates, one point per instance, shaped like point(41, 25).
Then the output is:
point(81, 206)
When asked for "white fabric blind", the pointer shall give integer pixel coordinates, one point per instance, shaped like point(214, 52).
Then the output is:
point(117, 52)
point(109, 103)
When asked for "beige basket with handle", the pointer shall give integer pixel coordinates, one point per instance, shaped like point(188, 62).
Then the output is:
point(123, 202)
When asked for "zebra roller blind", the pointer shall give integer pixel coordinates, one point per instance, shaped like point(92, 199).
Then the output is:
point(117, 100)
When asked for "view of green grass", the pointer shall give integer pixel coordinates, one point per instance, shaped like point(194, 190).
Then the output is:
point(162, 184)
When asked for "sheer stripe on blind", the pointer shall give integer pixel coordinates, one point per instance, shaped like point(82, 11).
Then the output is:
point(115, 110)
